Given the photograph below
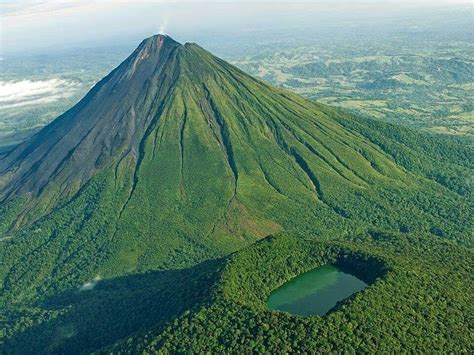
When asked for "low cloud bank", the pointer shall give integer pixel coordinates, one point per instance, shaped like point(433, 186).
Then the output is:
point(15, 94)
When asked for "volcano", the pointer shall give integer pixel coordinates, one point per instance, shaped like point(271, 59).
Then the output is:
point(177, 157)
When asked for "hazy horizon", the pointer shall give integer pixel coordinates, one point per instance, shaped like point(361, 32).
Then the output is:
point(39, 26)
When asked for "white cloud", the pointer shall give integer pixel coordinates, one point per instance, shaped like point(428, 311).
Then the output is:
point(90, 285)
point(27, 92)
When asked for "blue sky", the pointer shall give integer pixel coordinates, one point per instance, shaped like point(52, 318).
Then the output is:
point(36, 24)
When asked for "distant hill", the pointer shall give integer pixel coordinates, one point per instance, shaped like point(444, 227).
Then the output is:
point(176, 159)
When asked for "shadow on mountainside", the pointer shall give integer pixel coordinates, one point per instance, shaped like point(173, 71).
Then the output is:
point(104, 311)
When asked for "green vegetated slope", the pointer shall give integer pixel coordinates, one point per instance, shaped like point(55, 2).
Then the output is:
point(110, 214)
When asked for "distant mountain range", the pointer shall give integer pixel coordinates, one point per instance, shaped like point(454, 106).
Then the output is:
point(177, 159)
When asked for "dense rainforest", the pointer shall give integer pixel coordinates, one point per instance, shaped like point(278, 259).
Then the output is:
point(161, 211)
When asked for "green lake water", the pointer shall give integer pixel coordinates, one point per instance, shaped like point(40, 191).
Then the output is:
point(315, 292)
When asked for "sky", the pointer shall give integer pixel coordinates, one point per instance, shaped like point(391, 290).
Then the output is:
point(36, 25)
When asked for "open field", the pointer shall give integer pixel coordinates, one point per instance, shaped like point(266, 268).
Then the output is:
point(426, 84)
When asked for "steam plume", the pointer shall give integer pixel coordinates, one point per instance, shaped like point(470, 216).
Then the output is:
point(163, 26)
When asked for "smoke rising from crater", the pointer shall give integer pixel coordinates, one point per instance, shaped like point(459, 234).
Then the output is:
point(163, 26)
